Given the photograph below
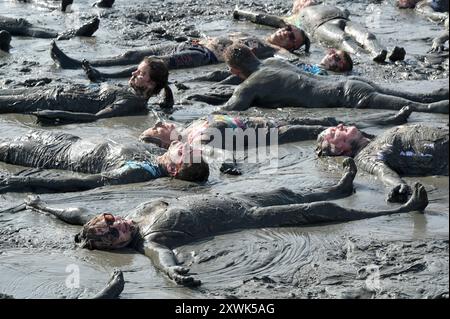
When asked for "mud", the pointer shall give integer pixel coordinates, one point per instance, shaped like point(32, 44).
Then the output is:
point(400, 256)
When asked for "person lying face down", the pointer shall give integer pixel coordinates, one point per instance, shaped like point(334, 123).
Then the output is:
point(156, 228)
point(274, 83)
point(21, 27)
point(189, 54)
point(335, 61)
point(212, 130)
point(100, 162)
point(414, 150)
point(330, 25)
point(72, 104)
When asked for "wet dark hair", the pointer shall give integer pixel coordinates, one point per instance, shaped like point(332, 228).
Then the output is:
point(348, 61)
point(195, 172)
point(159, 73)
point(306, 42)
point(241, 57)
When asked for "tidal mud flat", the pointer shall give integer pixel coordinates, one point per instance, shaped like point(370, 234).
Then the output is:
point(399, 256)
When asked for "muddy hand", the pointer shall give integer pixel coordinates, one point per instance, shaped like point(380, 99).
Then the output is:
point(399, 194)
point(179, 275)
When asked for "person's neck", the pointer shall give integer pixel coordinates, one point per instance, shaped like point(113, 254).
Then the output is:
point(162, 165)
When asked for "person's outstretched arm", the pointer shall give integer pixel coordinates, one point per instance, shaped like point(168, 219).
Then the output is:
point(122, 107)
point(59, 184)
point(383, 119)
point(371, 163)
point(72, 216)
point(283, 196)
point(164, 259)
point(328, 212)
point(260, 18)
point(241, 99)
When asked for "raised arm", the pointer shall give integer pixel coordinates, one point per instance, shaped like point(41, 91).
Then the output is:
point(164, 259)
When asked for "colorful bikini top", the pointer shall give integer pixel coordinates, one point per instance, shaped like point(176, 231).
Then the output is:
point(214, 120)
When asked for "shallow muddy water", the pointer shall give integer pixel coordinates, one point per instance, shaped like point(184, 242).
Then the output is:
point(409, 250)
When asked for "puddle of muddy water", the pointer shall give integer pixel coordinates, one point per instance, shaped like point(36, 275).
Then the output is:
point(36, 249)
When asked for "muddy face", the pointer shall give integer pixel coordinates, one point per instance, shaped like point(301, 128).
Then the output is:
point(160, 134)
point(341, 139)
point(334, 61)
point(141, 81)
point(106, 232)
point(289, 38)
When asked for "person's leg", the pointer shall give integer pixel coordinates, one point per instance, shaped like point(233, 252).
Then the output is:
point(359, 94)
point(333, 34)
point(283, 196)
point(433, 96)
point(327, 212)
point(367, 40)
point(86, 30)
point(73, 216)
point(383, 101)
point(96, 76)
point(129, 57)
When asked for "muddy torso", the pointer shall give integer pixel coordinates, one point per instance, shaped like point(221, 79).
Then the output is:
point(218, 45)
point(13, 26)
point(312, 17)
point(42, 149)
point(294, 88)
point(411, 150)
point(174, 222)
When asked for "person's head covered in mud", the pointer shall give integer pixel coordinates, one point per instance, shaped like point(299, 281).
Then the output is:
point(161, 134)
point(337, 61)
point(340, 140)
point(106, 232)
point(150, 77)
point(406, 4)
point(290, 38)
point(241, 60)
point(185, 162)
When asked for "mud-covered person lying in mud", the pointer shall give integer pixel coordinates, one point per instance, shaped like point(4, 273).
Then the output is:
point(21, 27)
point(77, 103)
point(212, 130)
point(190, 54)
point(330, 25)
point(157, 227)
point(274, 83)
point(414, 150)
point(97, 161)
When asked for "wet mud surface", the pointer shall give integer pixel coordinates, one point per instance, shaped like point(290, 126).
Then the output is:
point(399, 256)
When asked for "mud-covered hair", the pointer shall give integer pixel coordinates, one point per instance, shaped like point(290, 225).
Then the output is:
point(194, 172)
point(348, 61)
point(306, 41)
point(242, 57)
point(159, 73)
